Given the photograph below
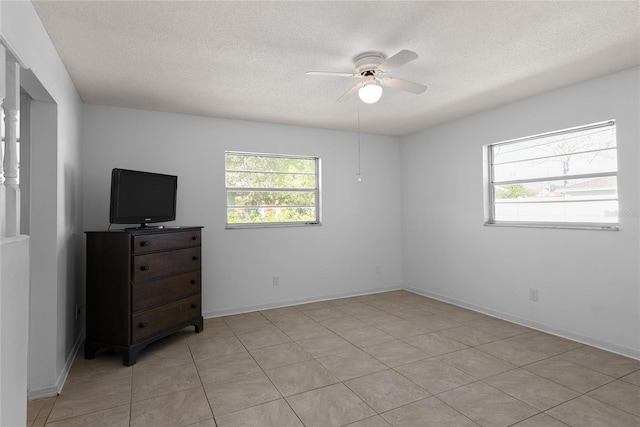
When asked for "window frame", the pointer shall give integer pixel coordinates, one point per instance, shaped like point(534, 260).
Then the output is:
point(490, 184)
point(317, 192)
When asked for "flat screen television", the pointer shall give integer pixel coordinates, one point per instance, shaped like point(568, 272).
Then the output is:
point(142, 197)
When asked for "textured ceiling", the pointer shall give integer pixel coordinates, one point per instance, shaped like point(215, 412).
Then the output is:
point(247, 60)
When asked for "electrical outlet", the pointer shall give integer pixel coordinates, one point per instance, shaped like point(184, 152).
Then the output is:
point(533, 294)
point(276, 280)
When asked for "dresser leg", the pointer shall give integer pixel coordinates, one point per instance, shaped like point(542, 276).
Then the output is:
point(199, 325)
point(90, 350)
point(130, 357)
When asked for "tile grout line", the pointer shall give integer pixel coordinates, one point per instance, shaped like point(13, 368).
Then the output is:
point(393, 302)
point(488, 354)
point(265, 374)
point(195, 366)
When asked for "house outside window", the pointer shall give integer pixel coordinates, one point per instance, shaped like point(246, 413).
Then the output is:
point(266, 190)
point(566, 178)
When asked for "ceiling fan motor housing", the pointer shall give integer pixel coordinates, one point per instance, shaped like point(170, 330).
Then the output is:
point(367, 63)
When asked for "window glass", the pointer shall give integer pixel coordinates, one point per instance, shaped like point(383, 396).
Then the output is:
point(271, 189)
point(564, 178)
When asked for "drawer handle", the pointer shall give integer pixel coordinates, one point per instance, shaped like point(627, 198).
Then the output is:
point(144, 268)
point(195, 258)
point(142, 325)
point(145, 243)
point(194, 238)
point(194, 306)
point(193, 281)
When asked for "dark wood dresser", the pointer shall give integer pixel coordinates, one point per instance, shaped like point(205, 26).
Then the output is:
point(142, 285)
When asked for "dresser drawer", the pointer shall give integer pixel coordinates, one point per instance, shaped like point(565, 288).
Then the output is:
point(167, 263)
point(156, 292)
point(151, 322)
point(146, 243)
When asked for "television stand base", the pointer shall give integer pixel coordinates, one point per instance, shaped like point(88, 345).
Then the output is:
point(145, 226)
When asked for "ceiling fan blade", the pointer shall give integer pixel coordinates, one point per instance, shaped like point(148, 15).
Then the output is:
point(350, 92)
point(330, 73)
point(397, 60)
point(403, 85)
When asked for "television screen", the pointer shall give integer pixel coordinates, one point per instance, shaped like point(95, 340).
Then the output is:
point(142, 197)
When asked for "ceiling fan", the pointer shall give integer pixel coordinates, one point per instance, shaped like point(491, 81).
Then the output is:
point(371, 68)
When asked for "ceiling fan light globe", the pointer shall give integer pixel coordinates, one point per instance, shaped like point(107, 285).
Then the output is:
point(370, 93)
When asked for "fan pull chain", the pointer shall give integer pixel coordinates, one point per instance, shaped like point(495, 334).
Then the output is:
point(359, 173)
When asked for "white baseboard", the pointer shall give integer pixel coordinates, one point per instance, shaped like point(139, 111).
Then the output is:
point(614, 348)
point(56, 388)
point(41, 393)
point(62, 378)
point(286, 303)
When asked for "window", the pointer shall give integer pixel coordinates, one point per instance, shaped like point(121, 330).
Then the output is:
point(566, 178)
point(271, 190)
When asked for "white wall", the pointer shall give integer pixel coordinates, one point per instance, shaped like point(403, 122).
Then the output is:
point(43, 336)
point(588, 281)
point(356, 250)
point(14, 326)
point(55, 223)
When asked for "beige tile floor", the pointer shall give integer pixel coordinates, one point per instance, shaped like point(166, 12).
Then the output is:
point(391, 359)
